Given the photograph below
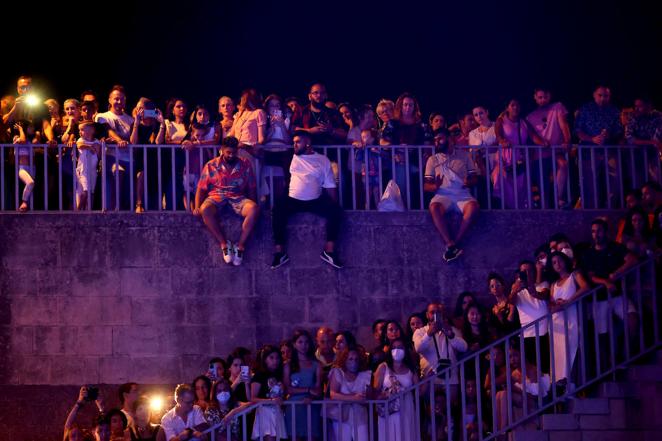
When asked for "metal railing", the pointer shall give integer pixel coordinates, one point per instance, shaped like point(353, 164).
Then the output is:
point(521, 177)
point(435, 415)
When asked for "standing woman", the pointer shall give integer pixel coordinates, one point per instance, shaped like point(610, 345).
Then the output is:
point(176, 131)
point(201, 387)
point(303, 380)
point(396, 420)
point(226, 109)
point(482, 136)
point(569, 286)
point(70, 121)
point(277, 154)
point(267, 388)
point(504, 318)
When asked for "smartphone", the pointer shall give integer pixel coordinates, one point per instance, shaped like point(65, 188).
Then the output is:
point(244, 371)
point(213, 371)
point(522, 276)
point(147, 113)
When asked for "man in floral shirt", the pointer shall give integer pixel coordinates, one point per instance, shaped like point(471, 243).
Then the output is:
point(228, 180)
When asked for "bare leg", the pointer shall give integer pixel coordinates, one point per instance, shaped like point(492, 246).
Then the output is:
point(140, 188)
point(82, 202)
point(250, 212)
point(468, 215)
point(561, 178)
point(437, 211)
point(209, 218)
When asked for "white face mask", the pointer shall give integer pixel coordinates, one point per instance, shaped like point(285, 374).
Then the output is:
point(567, 252)
point(398, 354)
point(223, 397)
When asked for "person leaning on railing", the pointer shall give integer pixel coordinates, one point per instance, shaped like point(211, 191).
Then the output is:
point(503, 318)
point(349, 381)
point(267, 389)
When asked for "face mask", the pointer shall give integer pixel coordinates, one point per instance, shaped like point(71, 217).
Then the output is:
point(352, 366)
point(223, 397)
point(398, 354)
point(567, 252)
point(543, 261)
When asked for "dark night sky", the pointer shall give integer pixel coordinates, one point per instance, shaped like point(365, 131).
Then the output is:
point(451, 55)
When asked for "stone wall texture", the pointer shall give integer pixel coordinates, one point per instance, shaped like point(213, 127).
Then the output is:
point(111, 298)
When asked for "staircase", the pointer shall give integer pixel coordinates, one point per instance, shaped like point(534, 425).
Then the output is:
point(630, 409)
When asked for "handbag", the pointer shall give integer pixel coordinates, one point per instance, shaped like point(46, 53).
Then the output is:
point(442, 363)
point(393, 405)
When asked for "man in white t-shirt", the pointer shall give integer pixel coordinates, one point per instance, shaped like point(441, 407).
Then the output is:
point(119, 125)
point(449, 174)
point(531, 300)
point(185, 421)
point(312, 189)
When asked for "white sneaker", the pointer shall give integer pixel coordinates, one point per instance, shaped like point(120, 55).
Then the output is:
point(227, 252)
point(237, 256)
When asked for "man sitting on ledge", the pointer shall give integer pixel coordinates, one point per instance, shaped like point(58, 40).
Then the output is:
point(449, 174)
point(311, 172)
point(228, 180)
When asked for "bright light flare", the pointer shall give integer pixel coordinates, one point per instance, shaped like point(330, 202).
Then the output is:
point(32, 100)
point(156, 403)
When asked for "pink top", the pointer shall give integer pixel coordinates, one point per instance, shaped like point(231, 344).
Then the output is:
point(245, 126)
point(510, 131)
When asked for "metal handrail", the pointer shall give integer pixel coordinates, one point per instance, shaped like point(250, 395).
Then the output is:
point(459, 366)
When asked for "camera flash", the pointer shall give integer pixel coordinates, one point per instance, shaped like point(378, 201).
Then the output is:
point(156, 403)
point(31, 100)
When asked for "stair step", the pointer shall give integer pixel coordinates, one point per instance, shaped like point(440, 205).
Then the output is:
point(614, 389)
point(529, 435)
point(559, 422)
point(590, 406)
point(645, 373)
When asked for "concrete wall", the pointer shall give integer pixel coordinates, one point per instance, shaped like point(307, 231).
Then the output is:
point(114, 298)
point(106, 299)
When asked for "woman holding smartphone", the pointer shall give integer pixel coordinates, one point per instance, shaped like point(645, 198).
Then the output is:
point(240, 378)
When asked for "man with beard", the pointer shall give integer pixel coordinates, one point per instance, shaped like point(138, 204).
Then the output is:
point(228, 180)
point(323, 124)
point(449, 174)
point(311, 173)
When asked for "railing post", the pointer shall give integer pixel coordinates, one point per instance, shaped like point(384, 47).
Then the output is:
point(132, 174)
point(45, 177)
point(528, 177)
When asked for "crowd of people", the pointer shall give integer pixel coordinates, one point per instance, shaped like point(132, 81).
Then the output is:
point(255, 137)
point(333, 365)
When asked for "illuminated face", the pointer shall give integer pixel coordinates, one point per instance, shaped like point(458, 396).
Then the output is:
point(71, 109)
point(317, 94)
point(235, 367)
point(378, 330)
point(542, 98)
point(272, 106)
point(392, 331)
point(480, 115)
point(53, 110)
point(179, 110)
point(185, 402)
point(302, 344)
point(415, 323)
point(201, 390)
point(432, 310)
point(294, 106)
point(202, 116)
point(226, 107)
point(86, 112)
point(324, 339)
point(117, 101)
point(437, 122)
point(474, 316)
point(23, 86)
point(229, 154)
point(513, 109)
point(408, 107)
point(87, 133)
point(385, 113)
point(558, 264)
point(285, 352)
point(496, 287)
point(340, 344)
point(301, 144)
point(602, 96)
point(273, 361)
point(346, 114)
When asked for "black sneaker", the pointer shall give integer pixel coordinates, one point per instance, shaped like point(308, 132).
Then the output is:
point(280, 259)
point(452, 253)
point(331, 258)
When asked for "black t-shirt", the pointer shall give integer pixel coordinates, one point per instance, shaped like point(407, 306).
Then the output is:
point(145, 133)
point(603, 262)
point(310, 119)
point(266, 380)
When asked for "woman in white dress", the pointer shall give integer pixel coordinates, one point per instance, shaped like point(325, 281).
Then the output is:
point(397, 419)
point(348, 381)
point(569, 286)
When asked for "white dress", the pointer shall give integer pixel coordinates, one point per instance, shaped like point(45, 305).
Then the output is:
point(401, 425)
point(565, 349)
point(354, 424)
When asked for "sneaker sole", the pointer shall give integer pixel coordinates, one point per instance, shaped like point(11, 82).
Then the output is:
point(330, 262)
point(282, 262)
point(459, 253)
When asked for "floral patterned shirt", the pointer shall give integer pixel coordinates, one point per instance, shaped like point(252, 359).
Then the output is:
point(222, 181)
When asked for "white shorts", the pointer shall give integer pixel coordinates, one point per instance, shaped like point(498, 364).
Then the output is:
point(602, 312)
point(86, 175)
point(453, 200)
point(190, 182)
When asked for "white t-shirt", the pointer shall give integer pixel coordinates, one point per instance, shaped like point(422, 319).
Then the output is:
point(173, 425)
point(120, 124)
point(531, 309)
point(310, 173)
point(175, 132)
point(452, 169)
point(478, 137)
